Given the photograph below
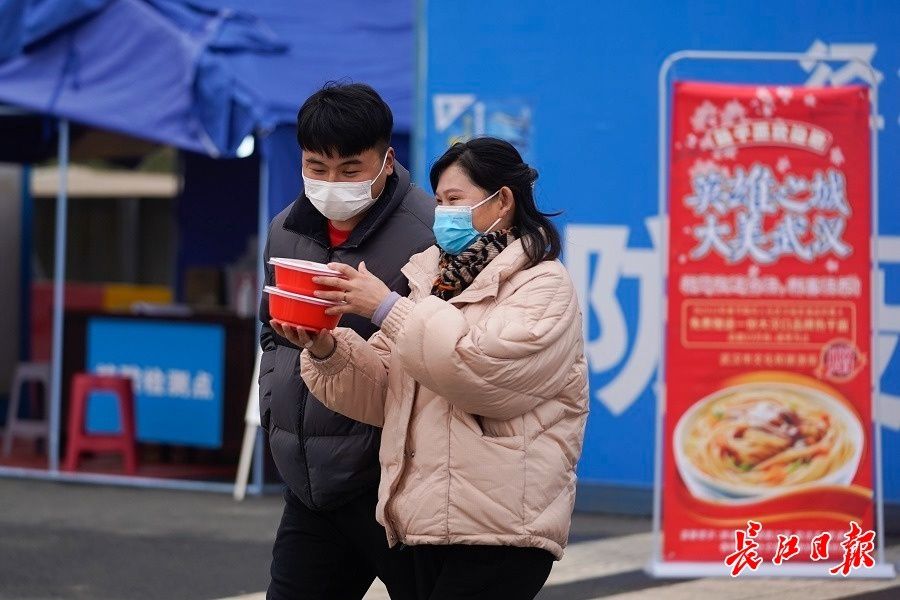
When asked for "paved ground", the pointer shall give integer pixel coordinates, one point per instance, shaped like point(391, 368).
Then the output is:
point(102, 543)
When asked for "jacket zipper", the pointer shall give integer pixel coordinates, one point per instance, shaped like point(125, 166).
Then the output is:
point(408, 456)
point(303, 399)
point(302, 443)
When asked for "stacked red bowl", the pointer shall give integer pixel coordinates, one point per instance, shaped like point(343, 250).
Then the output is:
point(291, 299)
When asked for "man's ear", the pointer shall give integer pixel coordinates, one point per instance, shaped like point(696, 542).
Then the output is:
point(389, 161)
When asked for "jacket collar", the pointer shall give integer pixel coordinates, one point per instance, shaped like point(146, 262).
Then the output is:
point(305, 220)
point(422, 270)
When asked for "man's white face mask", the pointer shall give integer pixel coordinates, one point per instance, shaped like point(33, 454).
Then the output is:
point(341, 200)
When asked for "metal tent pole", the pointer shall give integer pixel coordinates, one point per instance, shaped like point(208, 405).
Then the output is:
point(25, 274)
point(263, 225)
point(59, 283)
point(419, 160)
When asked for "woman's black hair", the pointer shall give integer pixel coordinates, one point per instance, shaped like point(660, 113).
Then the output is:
point(492, 163)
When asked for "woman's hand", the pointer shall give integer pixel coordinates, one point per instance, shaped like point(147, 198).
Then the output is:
point(320, 345)
point(360, 291)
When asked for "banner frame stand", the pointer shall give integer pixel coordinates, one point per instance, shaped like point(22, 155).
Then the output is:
point(657, 567)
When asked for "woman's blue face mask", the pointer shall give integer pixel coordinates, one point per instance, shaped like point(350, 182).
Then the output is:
point(453, 227)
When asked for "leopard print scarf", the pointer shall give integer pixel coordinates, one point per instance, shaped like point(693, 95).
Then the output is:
point(458, 272)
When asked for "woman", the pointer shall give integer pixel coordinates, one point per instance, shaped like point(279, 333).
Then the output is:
point(478, 379)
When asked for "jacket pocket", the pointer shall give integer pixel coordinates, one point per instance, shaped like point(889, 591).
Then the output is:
point(487, 487)
point(497, 428)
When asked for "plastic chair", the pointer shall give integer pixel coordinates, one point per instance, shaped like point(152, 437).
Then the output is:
point(83, 384)
point(34, 429)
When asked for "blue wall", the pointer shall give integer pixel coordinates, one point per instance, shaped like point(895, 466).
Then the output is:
point(575, 84)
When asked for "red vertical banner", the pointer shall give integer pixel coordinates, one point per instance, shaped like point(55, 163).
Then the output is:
point(768, 382)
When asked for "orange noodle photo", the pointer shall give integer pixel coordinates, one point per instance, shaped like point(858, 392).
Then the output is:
point(765, 438)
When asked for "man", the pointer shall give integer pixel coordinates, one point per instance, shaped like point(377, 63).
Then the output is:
point(358, 205)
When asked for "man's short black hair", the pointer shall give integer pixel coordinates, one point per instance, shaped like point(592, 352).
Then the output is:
point(344, 119)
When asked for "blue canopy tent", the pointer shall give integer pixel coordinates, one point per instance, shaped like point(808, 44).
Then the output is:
point(200, 75)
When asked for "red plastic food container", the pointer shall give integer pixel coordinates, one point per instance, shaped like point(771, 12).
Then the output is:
point(295, 275)
point(304, 311)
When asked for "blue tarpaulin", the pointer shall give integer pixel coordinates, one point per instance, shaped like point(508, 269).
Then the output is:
point(203, 74)
point(355, 40)
point(127, 67)
point(199, 74)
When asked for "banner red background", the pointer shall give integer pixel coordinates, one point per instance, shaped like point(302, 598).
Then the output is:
point(769, 268)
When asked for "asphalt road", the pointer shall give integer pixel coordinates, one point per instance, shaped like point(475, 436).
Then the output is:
point(95, 542)
point(70, 541)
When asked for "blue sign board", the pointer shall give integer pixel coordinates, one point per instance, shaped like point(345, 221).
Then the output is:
point(460, 117)
point(575, 86)
point(178, 375)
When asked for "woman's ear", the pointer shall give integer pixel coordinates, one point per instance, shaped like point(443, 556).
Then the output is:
point(507, 202)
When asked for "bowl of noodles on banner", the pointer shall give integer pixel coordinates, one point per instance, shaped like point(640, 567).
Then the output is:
point(303, 311)
point(296, 275)
point(747, 442)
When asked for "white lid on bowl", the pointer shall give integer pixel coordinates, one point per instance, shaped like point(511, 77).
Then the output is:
point(271, 289)
point(306, 266)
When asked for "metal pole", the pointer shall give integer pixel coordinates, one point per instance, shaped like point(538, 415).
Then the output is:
point(25, 249)
point(419, 160)
point(662, 195)
point(59, 284)
point(875, 292)
point(263, 232)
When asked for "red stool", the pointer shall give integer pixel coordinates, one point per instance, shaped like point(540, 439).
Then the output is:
point(83, 384)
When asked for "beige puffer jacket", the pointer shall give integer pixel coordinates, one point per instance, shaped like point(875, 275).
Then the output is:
point(482, 400)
